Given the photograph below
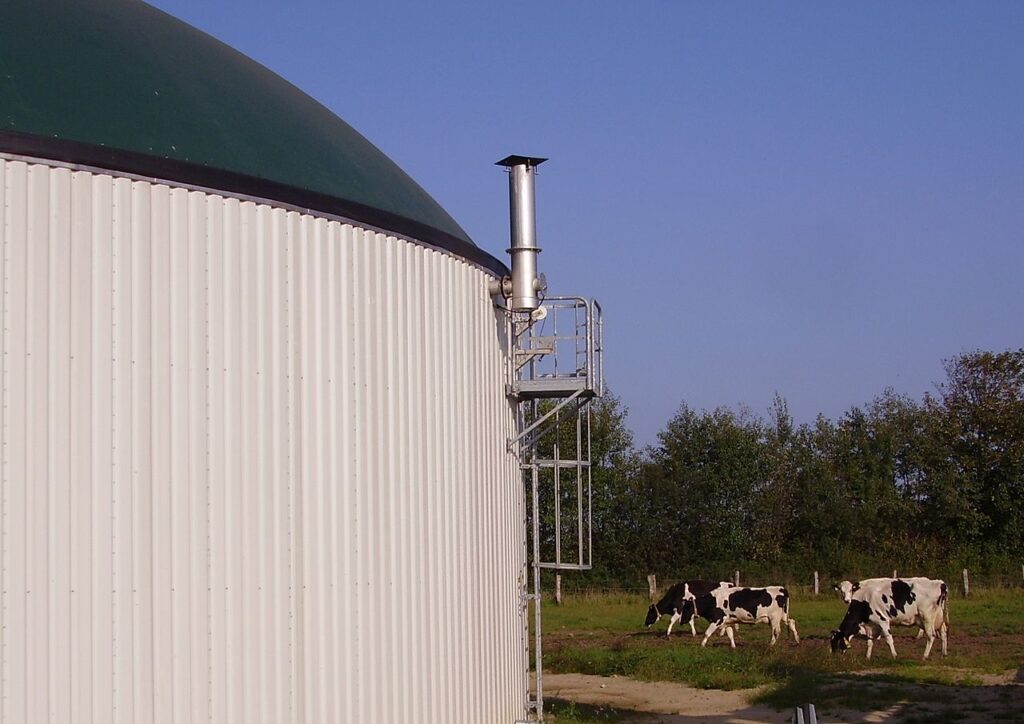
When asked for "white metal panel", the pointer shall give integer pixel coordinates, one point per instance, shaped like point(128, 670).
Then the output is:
point(253, 468)
point(80, 448)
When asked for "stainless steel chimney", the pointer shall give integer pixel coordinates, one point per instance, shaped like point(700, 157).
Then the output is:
point(526, 284)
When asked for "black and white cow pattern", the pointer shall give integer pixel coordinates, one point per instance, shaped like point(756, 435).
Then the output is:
point(875, 608)
point(846, 589)
point(725, 607)
point(672, 602)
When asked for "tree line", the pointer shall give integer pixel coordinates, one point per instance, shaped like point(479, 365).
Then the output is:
point(926, 485)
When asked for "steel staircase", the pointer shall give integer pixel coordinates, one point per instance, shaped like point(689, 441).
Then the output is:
point(555, 372)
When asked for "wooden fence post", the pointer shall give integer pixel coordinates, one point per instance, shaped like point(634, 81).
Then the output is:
point(967, 585)
point(894, 573)
point(652, 587)
point(736, 579)
point(815, 583)
point(1022, 573)
point(558, 588)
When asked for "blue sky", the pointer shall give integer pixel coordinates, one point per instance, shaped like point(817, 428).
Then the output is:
point(816, 199)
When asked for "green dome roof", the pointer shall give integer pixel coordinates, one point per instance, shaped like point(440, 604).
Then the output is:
point(121, 85)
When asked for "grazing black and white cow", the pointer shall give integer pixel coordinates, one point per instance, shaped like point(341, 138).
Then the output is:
point(725, 607)
point(846, 589)
point(672, 602)
point(875, 608)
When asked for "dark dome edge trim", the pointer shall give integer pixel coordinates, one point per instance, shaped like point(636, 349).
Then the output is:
point(140, 164)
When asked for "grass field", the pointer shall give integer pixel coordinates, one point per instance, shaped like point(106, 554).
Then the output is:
point(603, 634)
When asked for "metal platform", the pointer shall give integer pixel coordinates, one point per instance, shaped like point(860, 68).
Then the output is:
point(550, 388)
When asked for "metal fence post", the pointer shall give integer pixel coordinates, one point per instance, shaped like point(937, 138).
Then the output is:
point(805, 715)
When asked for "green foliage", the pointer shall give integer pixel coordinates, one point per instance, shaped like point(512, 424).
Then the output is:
point(924, 487)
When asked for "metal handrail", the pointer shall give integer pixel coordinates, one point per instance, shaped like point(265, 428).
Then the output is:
point(533, 344)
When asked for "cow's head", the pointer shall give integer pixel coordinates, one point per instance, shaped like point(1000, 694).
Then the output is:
point(845, 589)
point(840, 644)
point(857, 615)
point(653, 614)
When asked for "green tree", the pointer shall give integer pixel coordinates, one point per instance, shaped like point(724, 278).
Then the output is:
point(708, 468)
point(618, 536)
point(893, 483)
point(979, 416)
point(797, 520)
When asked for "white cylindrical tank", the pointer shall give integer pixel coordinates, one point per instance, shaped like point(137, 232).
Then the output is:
point(254, 465)
point(254, 442)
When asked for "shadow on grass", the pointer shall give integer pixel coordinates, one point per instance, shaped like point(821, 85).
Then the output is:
point(901, 697)
point(564, 711)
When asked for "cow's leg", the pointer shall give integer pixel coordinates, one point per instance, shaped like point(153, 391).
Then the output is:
point(919, 634)
point(732, 639)
point(888, 637)
point(675, 617)
point(871, 645)
point(776, 630)
point(929, 631)
point(693, 626)
point(792, 629)
point(710, 630)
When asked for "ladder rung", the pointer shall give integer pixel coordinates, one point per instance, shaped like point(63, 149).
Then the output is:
point(535, 351)
point(560, 463)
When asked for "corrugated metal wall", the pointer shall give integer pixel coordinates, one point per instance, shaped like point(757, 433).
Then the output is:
point(253, 466)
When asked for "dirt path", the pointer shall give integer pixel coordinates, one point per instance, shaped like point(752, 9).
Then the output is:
point(1001, 698)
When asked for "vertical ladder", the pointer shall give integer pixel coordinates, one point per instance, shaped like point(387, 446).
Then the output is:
point(555, 371)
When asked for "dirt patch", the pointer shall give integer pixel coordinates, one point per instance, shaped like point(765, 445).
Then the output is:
point(667, 702)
